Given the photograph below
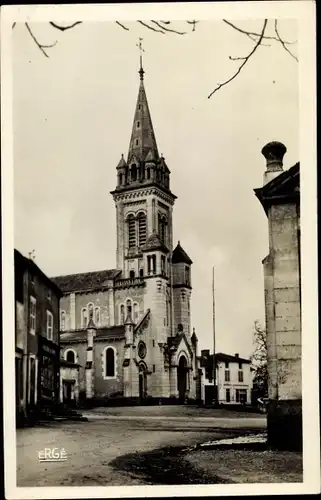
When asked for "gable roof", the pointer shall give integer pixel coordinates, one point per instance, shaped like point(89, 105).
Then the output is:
point(22, 262)
point(282, 189)
point(113, 332)
point(179, 255)
point(85, 281)
point(220, 356)
point(154, 243)
point(175, 342)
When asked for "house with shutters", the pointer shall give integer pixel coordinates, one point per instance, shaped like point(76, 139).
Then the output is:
point(233, 378)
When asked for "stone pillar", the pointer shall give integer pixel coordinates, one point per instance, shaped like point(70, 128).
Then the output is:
point(121, 235)
point(111, 304)
point(130, 369)
point(283, 307)
point(173, 382)
point(91, 333)
point(72, 311)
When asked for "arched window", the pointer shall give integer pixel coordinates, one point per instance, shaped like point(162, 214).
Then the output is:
point(131, 231)
point(62, 320)
point(90, 311)
point(141, 273)
point(132, 274)
point(187, 275)
point(120, 179)
point(97, 316)
point(109, 362)
point(84, 317)
point(70, 356)
point(142, 229)
point(163, 260)
point(133, 173)
point(122, 314)
point(162, 223)
point(128, 306)
point(148, 173)
point(136, 312)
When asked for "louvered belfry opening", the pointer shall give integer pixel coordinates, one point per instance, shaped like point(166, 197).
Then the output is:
point(142, 228)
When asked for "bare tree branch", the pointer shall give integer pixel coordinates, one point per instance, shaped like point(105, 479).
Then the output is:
point(39, 45)
point(193, 23)
point(253, 34)
point(245, 60)
point(13, 25)
point(168, 29)
point(64, 28)
point(282, 41)
point(122, 26)
point(151, 27)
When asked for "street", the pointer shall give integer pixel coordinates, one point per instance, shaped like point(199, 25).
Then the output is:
point(96, 450)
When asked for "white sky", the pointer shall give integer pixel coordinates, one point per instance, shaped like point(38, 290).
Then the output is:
point(73, 117)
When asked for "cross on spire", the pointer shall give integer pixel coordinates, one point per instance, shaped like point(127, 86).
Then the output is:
point(141, 50)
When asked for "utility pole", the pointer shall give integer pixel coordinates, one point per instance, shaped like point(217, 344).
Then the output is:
point(214, 347)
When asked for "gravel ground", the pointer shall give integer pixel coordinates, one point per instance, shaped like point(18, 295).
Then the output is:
point(93, 446)
point(248, 465)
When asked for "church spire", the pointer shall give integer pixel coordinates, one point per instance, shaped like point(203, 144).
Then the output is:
point(141, 50)
point(142, 142)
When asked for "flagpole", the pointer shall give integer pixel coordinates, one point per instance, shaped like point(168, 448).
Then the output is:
point(214, 346)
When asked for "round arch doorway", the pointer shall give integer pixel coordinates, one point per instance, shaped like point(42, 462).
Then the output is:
point(182, 371)
point(142, 381)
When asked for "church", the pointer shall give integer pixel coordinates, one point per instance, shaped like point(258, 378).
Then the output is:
point(126, 332)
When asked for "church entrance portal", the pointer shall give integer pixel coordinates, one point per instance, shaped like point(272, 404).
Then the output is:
point(182, 378)
point(142, 382)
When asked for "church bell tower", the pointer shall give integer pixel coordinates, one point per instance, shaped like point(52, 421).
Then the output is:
point(143, 199)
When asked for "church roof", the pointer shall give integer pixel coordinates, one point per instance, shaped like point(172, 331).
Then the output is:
point(154, 243)
point(113, 332)
point(142, 141)
point(179, 255)
point(85, 281)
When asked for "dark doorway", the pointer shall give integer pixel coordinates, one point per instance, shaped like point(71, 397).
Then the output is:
point(182, 378)
point(142, 382)
point(68, 387)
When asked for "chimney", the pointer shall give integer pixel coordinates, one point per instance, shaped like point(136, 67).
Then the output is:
point(236, 354)
point(273, 153)
point(205, 353)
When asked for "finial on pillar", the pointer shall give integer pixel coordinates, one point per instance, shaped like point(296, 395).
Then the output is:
point(273, 152)
point(141, 50)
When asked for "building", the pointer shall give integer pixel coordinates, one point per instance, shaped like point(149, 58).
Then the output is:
point(280, 199)
point(37, 338)
point(234, 379)
point(129, 328)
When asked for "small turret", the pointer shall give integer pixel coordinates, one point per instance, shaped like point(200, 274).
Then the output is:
point(122, 171)
point(181, 266)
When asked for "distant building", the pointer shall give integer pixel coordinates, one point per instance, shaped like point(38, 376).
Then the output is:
point(37, 349)
point(129, 328)
point(234, 378)
point(280, 198)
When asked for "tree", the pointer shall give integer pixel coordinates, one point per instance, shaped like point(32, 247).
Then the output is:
point(268, 33)
point(259, 361)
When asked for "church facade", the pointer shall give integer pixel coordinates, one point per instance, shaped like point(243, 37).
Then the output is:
point(127, 331)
